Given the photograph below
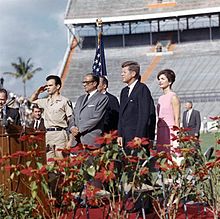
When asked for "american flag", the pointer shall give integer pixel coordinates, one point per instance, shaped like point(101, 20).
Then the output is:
point(99, 67)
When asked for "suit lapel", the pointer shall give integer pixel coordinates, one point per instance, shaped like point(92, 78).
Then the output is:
point(126, 100)
point(191, 116)
point(83, 105)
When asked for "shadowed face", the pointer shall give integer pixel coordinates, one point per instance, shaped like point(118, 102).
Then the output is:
point(102, 86)
point(3, 99)
point(188, 106)
point(36, 113)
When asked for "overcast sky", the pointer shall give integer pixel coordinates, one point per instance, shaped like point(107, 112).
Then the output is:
point(32, 29)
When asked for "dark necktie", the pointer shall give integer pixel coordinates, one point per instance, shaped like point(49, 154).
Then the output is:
point(127, 91)
point(36, 124)
point(86, 99)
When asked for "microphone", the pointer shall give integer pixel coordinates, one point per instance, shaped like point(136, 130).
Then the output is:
point(4, 117)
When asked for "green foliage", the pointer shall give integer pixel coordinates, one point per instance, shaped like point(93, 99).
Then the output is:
point(24, 70)
point(17, 206)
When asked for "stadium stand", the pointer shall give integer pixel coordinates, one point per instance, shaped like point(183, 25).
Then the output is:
point(102, 8)
point(196, 65)
point(194, 41)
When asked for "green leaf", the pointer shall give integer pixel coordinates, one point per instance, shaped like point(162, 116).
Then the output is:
point(34, 189)
point(91, 171)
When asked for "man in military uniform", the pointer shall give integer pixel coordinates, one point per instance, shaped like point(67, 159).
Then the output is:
point(57, 111)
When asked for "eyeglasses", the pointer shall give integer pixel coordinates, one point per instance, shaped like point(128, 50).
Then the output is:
point(87, 82)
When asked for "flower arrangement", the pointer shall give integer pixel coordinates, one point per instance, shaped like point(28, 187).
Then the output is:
point(108, 176)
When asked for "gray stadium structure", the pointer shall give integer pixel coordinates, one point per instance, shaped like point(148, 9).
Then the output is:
point(188, 32)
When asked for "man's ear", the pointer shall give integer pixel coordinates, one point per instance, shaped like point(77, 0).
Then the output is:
point(133, 73)
point(58, 86)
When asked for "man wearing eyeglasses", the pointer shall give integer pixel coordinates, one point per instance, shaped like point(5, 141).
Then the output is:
point(87, 122)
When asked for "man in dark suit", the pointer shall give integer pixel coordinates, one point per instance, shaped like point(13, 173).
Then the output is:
point(192, 119)
point(38, 121)
point(112, 110)
point(7, 114)
point(137, 111)
point(87, 122)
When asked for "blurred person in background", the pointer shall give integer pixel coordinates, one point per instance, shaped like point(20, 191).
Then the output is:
point(192, 119)
point(112, 109)
point(7, 114)
point(37, 120)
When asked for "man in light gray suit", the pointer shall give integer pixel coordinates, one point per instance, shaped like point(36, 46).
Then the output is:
point(87, 122)
point(192, 119)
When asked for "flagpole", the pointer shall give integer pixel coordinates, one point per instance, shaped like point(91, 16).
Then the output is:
point(100, 28)
point(99, 65)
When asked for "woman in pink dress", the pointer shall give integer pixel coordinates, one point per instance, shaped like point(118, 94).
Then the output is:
point(168, 110)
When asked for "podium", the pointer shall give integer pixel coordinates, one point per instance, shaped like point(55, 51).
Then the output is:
point(9, 144)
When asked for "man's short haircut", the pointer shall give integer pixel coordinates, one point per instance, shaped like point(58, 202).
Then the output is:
point(132, 66)
point(104, 81)
point(55, 78)
point(95, 78)
point(190, 102)
point(35, 106)
point(2, 90)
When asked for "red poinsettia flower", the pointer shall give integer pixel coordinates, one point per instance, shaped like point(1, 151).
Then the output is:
point(24, 138)
point(153, 153)
point(106, 175)
point(51, 159)
point(90, 147)
point(202, 173)
point(210, 165)
point(43, 170)
point(79, 159)
point(77, 148)
point(217, 153)
point(174, 137)
point(19, 154)
point(107, 138)
point(10, 167)
point(28, 171)
point(137, 143)
point(215, 118)
point(218, 141)
point(132, 159)
point(175, 128)
point(68, 197)
point(32, 138)
point(183, 150)
point(143, 171)
point(90, 190)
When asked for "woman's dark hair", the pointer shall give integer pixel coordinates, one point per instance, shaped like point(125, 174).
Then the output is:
point(169, 74)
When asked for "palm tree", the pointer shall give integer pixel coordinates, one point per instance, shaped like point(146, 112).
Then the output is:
point(24, 70)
